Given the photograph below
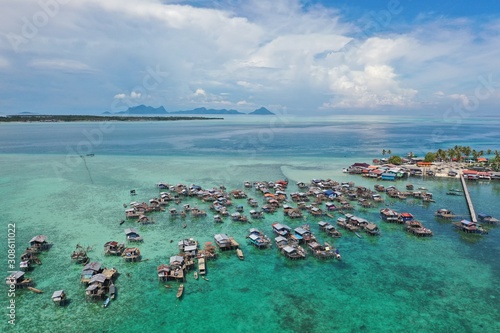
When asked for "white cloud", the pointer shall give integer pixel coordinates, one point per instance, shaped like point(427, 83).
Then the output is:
point(132, 95)
point(200, 92)
point(281, 53)
point(460, 97)
point(69, 65)
point(135, 95)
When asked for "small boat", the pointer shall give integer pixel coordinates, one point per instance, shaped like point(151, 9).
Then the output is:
point(195, 275)
point(240, 254)
point(112, 291)
point(358, 235)
point(106, 303)
point(38, 291)
point(205, 278)
point(180, 291)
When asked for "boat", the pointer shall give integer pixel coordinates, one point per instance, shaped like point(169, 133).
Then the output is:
point(240, 254)
point(205, 278)
point(358, 235)
point(180, 291)
point(112, 291)
point(486, 218)
point(454, 191)
point(106, 303)
point(195, 274)
point(38, 291)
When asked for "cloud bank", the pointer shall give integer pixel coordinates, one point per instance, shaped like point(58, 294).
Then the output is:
point(94, 56)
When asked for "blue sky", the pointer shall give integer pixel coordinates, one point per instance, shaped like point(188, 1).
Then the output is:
point(302, 57)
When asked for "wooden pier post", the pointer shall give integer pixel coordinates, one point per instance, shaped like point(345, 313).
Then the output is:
point(468, 199)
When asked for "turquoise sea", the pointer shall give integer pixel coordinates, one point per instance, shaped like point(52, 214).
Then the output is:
point(392, 283)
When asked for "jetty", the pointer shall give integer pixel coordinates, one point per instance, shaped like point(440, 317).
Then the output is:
point(468, 200)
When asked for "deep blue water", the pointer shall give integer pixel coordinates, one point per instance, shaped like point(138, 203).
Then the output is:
point(340, 136)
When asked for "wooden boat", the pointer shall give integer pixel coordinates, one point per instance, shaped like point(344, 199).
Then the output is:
point(106, 303)
point(180, 291)
point(112, 291)
point(195, 275)
point(240, 254)
point(38, 291)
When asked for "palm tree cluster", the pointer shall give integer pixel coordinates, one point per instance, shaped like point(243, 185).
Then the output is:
point(463, 153)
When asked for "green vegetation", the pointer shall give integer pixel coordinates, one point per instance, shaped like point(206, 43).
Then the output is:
point(466, 154)
point(430, 157)
point(457, 154)
point(72, 118)
point(397, 160)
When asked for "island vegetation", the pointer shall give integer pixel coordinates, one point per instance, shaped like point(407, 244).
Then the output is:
point(461, 154)
point(73, 118)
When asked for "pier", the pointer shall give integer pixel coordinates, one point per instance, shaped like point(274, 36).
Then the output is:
point(469, 201)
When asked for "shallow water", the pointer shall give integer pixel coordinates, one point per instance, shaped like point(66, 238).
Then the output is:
point(392, 283)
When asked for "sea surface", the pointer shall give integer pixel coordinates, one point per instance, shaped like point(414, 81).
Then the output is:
point(69, 181)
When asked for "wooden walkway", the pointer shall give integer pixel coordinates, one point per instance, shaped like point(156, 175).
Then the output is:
point(468, 199)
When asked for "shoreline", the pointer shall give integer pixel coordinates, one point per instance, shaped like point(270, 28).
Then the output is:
point(84, 118)
point(437, 169)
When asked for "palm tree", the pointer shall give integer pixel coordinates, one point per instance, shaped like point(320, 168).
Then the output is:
point(440, 154)
point(475, 154)
point(389, 152)
point(488, 152)
point(450, 153)
point(467, 151)
point(383, 152)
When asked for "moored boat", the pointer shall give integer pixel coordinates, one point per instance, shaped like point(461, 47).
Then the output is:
point(180, 291)
point(112, 291)
point(240, 255)
point(106, 303)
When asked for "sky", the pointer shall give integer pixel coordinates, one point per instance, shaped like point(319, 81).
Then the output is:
point(307, 57)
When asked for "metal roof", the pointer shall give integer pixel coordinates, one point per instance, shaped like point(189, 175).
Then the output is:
point(38, 239)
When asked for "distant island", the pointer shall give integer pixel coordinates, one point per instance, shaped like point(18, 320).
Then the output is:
point(149, 110)
point(71, 118)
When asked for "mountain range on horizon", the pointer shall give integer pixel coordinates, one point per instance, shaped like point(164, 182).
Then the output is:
point(149, 110)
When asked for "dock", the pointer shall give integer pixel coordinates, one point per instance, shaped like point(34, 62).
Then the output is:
point(468, 200)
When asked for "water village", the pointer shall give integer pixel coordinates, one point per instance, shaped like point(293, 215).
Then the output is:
point(322, 211)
